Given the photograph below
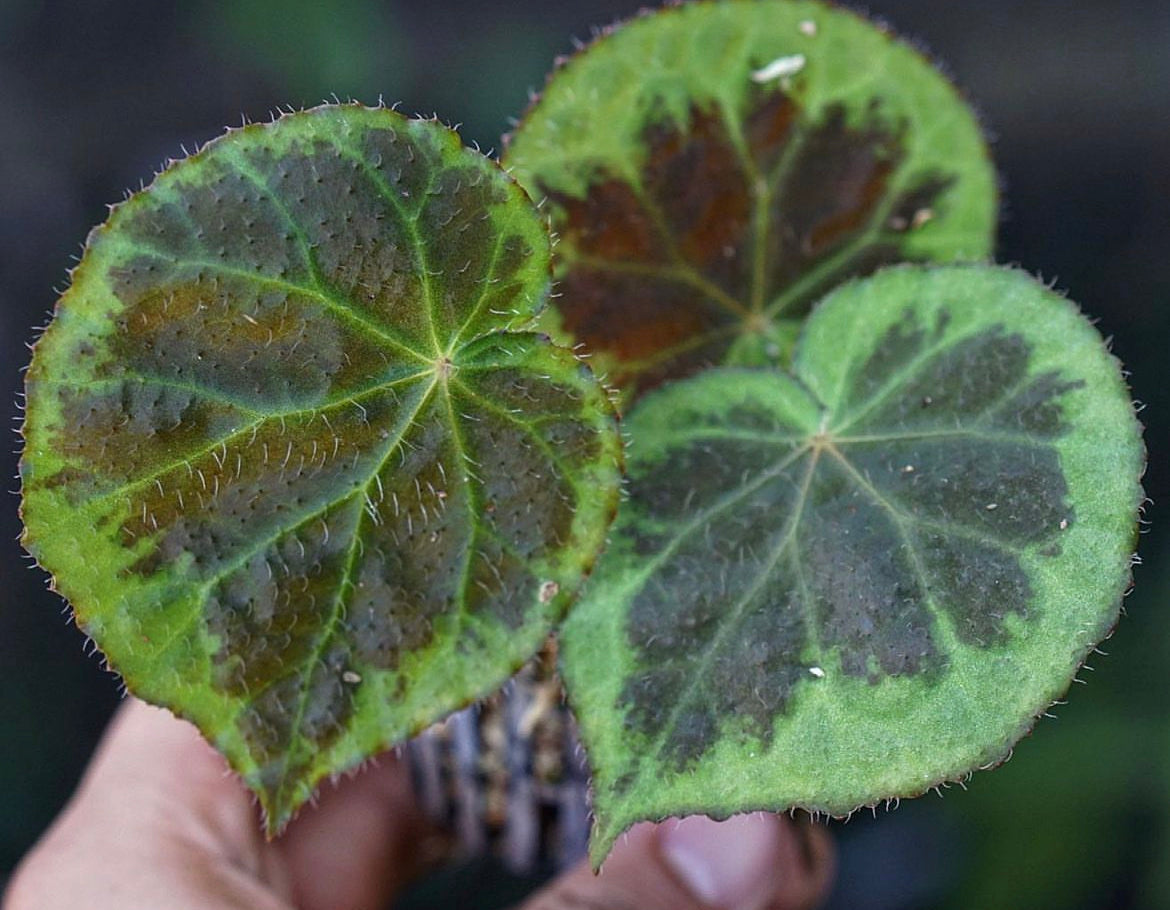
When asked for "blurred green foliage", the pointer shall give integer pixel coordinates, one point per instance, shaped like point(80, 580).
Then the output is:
point(313, 50)
point(1079, 816)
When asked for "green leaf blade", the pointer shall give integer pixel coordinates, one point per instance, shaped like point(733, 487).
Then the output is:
point(869, 579)
point(714, 168)
point(288, 456)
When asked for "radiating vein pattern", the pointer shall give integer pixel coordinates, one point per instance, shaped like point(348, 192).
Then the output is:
point(701, 222)
point(290, 458)
point(861, 579)
point(870, 547)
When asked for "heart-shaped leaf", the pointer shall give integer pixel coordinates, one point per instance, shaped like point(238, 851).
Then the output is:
point(715, 168)
point(291, 457)
point(861, 581)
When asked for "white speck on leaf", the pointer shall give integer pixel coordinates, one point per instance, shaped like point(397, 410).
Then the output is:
point(817, 672)
point(808, 27)
point(921, 217)
point(779, 68)
point(349, 676)
point(548, 591)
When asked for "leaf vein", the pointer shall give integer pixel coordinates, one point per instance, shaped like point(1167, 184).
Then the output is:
point(733, 616)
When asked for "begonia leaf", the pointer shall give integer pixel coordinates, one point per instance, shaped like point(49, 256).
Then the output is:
point(714, 168)
point(294, 457)
point(858, 581)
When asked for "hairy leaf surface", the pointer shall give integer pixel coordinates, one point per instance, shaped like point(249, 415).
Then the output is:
point(293, 458)
point(713, 169)
point(865, 579)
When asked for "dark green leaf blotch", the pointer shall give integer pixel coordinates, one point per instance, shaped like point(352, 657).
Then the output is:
point(860, 581)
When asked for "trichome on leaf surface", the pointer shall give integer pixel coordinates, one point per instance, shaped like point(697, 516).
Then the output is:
point(291, 454)
point(309, 477)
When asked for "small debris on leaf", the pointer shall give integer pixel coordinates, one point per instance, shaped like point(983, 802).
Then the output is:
point(921, 217)
point(779, 68)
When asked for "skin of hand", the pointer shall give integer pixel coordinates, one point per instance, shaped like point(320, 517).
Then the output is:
point(159, 823)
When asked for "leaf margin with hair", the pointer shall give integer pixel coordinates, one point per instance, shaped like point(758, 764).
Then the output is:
point(662, 67)
point(96, 574)
point(806, 764)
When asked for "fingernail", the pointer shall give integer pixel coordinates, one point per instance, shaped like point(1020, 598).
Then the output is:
point(730, 864)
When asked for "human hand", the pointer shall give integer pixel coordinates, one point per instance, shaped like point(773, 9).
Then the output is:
point(158, 823)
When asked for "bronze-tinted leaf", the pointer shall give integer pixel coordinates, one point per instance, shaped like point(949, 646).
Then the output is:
point(291, 454)
point(714, 168)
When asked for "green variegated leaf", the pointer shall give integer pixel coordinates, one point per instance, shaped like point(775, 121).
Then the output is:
point(290, 453)
point(862, 580)
point(714, 168)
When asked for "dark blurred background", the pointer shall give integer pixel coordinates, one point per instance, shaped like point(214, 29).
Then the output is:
point(95, 95)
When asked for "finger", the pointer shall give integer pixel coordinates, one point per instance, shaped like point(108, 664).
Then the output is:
point(157, 770)
point(156, 821)
point(819, 861)
point(749, 862)
point(159, 820)
point(353, 849)
point(362, 842)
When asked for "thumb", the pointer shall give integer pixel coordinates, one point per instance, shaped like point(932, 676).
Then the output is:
point(749, 862)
